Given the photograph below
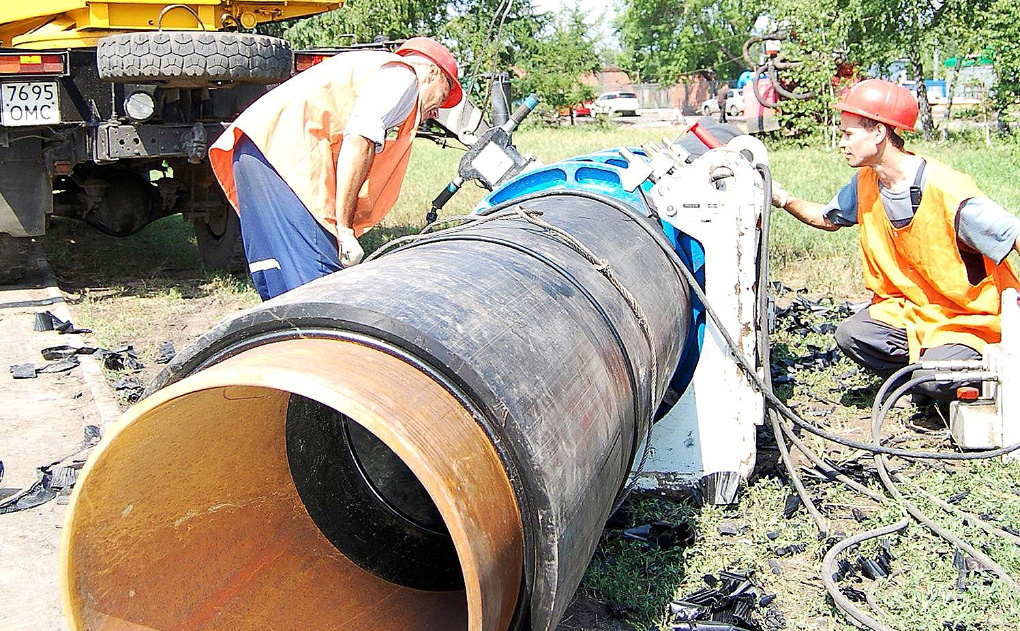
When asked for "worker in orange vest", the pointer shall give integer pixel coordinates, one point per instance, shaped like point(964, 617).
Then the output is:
point(318, 160)
point(933, 246)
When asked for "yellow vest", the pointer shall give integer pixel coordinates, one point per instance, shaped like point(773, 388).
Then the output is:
point(298, 127)
point(916, 272)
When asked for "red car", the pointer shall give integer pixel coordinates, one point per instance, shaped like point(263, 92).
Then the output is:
point(581, 109)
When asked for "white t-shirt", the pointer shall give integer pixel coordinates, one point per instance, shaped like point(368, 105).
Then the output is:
point(384, 103)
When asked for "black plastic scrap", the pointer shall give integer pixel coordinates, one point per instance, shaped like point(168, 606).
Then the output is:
point(661, 534)
point(65, 352)
point(717, 488)
point(965, 567)
point(800, 318)
point(166, 352)
point(790, 550)
point(130, 388)
point(59, 366)
point(30, 371)
point(46, 321)
point(53, 480)
point(731, 602)
point(23, 371)
point(878, 566)
point(792, 504)
point(123, 358)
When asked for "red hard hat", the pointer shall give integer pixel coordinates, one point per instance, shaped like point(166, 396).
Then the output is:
point(883, 101)
point(428, 47)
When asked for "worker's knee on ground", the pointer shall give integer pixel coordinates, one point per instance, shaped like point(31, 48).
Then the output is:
point(848, 334)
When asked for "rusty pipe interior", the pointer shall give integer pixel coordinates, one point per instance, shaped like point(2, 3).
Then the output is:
point(213, 503)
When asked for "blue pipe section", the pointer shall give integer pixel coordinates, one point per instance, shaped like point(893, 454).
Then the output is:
point(601, 173)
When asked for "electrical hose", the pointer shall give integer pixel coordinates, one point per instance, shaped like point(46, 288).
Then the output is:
point(877, 419)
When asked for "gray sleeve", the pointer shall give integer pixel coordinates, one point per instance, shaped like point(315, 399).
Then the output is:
point(842, 209)
point(987, 227)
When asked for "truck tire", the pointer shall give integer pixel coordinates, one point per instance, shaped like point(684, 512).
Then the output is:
point(219, 242)
point(14, 253)
point(194, 59)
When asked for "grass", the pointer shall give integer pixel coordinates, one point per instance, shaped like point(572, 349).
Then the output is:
point(920, 594)
point(826, 263)
point(152, 286)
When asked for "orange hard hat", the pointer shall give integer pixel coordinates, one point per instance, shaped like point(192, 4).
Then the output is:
point(882, 101)
point(441, 56)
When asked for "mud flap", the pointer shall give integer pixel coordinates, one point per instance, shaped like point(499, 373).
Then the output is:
point(26, 194)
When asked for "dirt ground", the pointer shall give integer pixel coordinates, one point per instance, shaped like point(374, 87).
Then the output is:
point(41, 420)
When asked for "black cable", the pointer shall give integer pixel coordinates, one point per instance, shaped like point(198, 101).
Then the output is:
point(892, 380)
point(752, 375)
point(877, 419)
point(779, 428)
point(829, 570)
point(764, 351)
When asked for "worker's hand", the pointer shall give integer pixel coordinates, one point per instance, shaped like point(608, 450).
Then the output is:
point(350, 250)
point(780, 197)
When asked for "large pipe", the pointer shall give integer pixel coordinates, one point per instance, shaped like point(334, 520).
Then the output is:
point(431, 440)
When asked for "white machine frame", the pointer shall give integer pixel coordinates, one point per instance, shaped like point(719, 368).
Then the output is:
point(717, 199)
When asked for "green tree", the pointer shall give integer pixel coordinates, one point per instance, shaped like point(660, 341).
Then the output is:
point(871, 33)
point(663, 39)
point(363, 20)
point(1003, 34)
point(564, 53)
point(490, 36)
point(911, 29)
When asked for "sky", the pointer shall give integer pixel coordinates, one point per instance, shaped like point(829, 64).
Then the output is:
point(593, 6)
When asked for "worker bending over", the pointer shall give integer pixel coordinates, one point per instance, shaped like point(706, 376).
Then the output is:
point(318, 160)
point(933, 246)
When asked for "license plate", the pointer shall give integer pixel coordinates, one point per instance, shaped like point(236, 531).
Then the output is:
point(32, 103)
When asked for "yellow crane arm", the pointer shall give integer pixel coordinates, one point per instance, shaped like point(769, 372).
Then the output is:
point(48, 24)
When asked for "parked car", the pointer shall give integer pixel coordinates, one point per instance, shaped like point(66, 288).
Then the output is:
point(616, 103)
point(734, 104)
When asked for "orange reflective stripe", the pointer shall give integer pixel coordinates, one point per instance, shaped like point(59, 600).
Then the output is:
point(299, 127)
point(916, 272)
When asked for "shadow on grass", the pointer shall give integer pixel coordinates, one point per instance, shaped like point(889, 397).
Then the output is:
point(380, 235)
point(161, 257)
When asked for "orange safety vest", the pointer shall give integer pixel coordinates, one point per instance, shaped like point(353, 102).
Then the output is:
point(299, 126)
point(916, 272)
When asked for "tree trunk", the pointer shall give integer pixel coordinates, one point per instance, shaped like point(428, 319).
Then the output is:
point(923, 106)
point(952, 78)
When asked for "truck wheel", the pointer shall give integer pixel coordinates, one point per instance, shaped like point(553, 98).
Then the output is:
point(219, 241)
point(13, 258)
point(194, 59)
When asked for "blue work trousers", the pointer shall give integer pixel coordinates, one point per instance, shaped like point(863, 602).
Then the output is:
point(284, 244)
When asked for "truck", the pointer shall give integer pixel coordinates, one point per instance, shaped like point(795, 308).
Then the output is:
point(107, 109)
